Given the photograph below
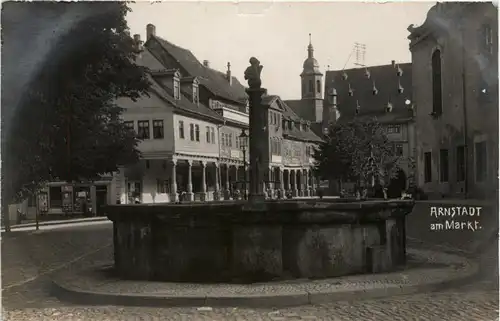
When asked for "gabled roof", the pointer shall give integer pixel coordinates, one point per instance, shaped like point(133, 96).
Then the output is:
point(215, 81)
point(289, 114)
point(165, 92)
point(295, 105)
point(386, 82)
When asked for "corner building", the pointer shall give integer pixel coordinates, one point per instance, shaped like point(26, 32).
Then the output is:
point(455, 89)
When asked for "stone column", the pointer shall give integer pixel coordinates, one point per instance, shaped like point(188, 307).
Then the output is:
point(217, 187)
point(227, 195)
point(282, 181)
point(227, 177)
point(174, 197)
point(270, 187)
point(306, 183)
point(310, 182)
point(314, 184)
point(190, 195)
point(259, 151)
point(295, 191)
point(203, 181)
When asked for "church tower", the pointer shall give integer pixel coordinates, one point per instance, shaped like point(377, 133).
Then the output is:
point(312, 87)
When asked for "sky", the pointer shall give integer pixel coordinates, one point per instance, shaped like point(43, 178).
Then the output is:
point(277, 33)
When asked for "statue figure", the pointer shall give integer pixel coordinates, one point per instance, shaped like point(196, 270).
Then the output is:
point(252, 73)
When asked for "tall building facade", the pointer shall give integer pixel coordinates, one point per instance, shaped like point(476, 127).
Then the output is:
point(455, 89)
point(382, 92)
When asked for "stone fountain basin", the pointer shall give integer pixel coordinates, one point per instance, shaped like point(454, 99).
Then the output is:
point(236, 242)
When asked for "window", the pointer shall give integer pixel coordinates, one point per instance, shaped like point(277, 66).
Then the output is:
point(460, 163)
point(162, 186)
point(230, 140)
point(181, 129)
point(427, 167)
point(129, 124)
point(157, 129)
point(191, 132)
point(143, 129)
point(223, 139)
point(443, 165)
point(196, 97)
point(437, 89)
point(197, 132)
point(394, 129)
point(480, 161)
point(318, 86)
point(398, 149)
point(488, 38)
point(177, 92)
point(212, 134)
point(311, 86)
point(208, 133)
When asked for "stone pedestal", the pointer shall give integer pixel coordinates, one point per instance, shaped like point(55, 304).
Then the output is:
point(240, 241)
point(259, 144)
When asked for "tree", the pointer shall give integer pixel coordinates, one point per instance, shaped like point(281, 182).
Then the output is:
point(357, 151)
point(67, 126)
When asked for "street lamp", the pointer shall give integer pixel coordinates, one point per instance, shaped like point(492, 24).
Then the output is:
point(243, 146)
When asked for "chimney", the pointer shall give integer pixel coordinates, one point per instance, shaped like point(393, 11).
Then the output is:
point(206, 63)
point(228, 74)
point(393, 62)
point(150, 31)
point(138, 42)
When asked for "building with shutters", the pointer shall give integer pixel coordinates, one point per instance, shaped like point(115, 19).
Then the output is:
point(455, 91)
point(190, 126)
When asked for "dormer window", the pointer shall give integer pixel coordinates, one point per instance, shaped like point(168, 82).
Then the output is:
point(177, 89)
point(196, 98)
point(196, 91)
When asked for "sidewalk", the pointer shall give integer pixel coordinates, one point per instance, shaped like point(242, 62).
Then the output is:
point(95, 286)
point(55, 222)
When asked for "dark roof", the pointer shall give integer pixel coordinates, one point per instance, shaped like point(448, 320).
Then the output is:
point(215, 81)
point(296, 106)
point(165, 91)
point(289, 114)
point(386, 82)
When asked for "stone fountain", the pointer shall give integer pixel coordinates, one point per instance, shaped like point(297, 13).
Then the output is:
point(259, 240)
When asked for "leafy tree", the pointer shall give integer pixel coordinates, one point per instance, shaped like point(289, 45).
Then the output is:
point(67, 126)
point(357, 150)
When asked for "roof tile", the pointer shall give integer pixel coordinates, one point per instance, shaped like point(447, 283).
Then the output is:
point(386, 81)
point(215, 81)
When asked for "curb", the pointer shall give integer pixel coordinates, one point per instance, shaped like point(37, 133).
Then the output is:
point(51, 223)
point(274, 300)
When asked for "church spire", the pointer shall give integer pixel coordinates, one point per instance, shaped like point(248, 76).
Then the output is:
point(310, 49)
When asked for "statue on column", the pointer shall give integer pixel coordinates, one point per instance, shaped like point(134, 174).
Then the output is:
point(252, 73)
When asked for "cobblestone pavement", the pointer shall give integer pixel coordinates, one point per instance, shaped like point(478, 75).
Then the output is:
point(31, 300)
